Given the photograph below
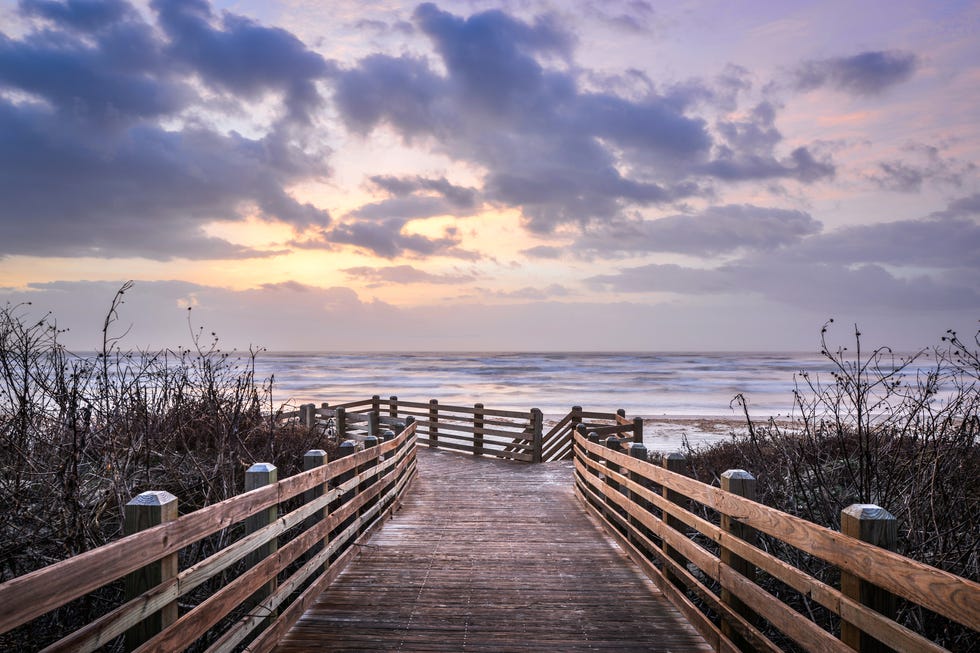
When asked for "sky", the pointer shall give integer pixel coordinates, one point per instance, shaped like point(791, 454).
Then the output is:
point(517, 175)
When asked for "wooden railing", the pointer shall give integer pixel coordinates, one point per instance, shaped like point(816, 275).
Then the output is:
point(293, 538)
point(481, 431)
point(711, 566)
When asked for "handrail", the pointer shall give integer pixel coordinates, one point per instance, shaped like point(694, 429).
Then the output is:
point(616, 488)
point(358, 489)
point(478, 430)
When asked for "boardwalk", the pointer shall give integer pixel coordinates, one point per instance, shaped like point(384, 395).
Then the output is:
point(487, 555)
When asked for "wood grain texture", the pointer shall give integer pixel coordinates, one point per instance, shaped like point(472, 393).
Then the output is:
point(935, 589)
point(492, 556)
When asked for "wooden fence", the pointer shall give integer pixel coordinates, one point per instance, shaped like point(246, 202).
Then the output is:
point(701, 546)
point(294, 537)
point(481, 431)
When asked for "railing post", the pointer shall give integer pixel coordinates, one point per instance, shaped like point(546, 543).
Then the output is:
point(146, 510)
point(477, 429)
point(376, 403)
point(340, 419)
point(742, 483)
point(346, 448)
point(537, 434)
point(393, 406)
point(311, 460)
point(576, 420)
point(868, 523)
point(638, 430)
point(434, 423)
point(592, 437)
point(374, 423)
point(256, 476)
point(674, 462)
point(307, 415)
point(370, 442)
point(639, 452)
point(612, 442)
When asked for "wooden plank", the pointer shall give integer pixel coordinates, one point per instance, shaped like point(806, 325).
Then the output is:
point(704, 625)
point(468, 410)
point(526, 570)
point(935, 589)
point(446, 427)
point(81, 574)
point(197, 621)
point(493, 453)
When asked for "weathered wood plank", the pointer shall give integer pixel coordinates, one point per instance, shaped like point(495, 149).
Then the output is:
point(937, 590)
point(486, 555)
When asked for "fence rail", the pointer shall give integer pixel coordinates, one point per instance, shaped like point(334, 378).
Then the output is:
point(707, 567)
point(508, 434)
point(282, 542)
point(263, 586)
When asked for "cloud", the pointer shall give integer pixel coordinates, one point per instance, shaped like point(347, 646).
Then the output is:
point(418, 197)
point(867, 73)
point(748, 152)
point(927, 263)
point(925, 163)
point(82, 15)
point(243, 57)
point(404, 274)
point(386, 238)
point(107, 161)
point(946, 240)
point(502, 96)
point(815, 286)
point(716, 230)
point(458, 196)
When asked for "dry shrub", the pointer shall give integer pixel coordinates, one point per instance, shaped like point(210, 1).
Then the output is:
point(82, 435)
point(899, 432)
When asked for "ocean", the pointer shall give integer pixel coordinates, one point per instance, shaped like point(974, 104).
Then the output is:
point(644, 384)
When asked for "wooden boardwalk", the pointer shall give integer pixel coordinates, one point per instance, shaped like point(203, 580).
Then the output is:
point(488, 555)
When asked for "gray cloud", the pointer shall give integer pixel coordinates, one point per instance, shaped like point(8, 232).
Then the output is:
point(867, 73)
point(928, 263)
point(925, 163)
point(404, 274)
point(243, 57)
point(418, 197)
point(946, 240)
point(90, 171)
point(82, 15)
point(816, 286)
point(385, 238)
point(748, 152)
point(716, 230)
point(555, 150)
point(459, 196)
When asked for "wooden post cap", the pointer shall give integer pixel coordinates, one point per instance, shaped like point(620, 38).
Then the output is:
point(621, 412)
point(314, 453)
point(865, 511)
point(347, 447)
point(740, 474)
point(152, 498)
point(261, 468)
point(370, 441)
point(636, 450)
point(582, 429)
